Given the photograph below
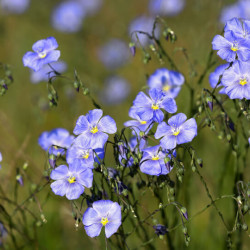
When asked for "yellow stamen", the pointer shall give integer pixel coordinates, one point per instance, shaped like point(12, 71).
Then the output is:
point(234, 48)
point(166, 88)
point(104, 221)
point(86, 156)
point(55, 147)
point(176, 132)
point(143, 122)
point(42, 54)
point(155, 158)
point(72, 179)
point(243, 82)
point(94, 130)
point(155, 106)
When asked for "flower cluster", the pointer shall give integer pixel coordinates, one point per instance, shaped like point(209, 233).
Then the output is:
point(234, 47)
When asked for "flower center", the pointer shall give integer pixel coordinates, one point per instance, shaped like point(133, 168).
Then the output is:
point(72, 179)
point(85, 155)
point(42, 54)
point(155, 158)
point(176, 132)
point(143, 122)
point(94, 130)
point(234, 47)
point(166, 88)
point(155, 106)
point(104, 221)
point(243, 81)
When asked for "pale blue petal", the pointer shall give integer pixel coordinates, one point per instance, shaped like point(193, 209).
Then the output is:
point(169, 105)
point(94, 116)
point(60, 187)
point(177, 120)
point(93, 230)
point(111, 228)
point(142, 100)
point(82, 125)
point(168, 142)
point(90, 217)
point(85, 178)
point(150, 167)
point(107, 125)
point(59, 173)
point(158, 116)
point(102, 207)
point(74, 191)
point(162, 130)
point(219, 42)
point(188, 131)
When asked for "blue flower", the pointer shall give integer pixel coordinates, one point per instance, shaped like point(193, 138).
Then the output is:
point(114, 54)
point(14, 6)
point(102, 213)
point(236, 80)
point(138, 124)
point(241, 9)
point(90, 7)
point(167, 80)
point(239, 29)
point(68, 17)
point(95, 129)
point(178, 131)
point(80, 152)
point(1, 158)
point(145, 24)
point(44, 53)
point(152, 162)
point(215, 76)
point(166, 7)
point(46, 72)
point(115, 90)
point(230, 46)
point(135, 146)
point(149, 108)
point(57, 137)
point(70, 181)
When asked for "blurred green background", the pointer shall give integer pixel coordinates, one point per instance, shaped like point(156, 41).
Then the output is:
point(23, 116)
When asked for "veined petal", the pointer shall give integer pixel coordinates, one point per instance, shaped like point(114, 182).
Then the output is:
point(93, 230)
point(107, 125)
point(142, 100)
point(177, 120)
point(60, 187)
point(220, 42)
point(150, 167)
point(90, 217)
point(85, 178)
point(162, 130)
point(188, 131)
point(74, 191)
point(111, 228)
point(94, 116)
point(59, 173)
point(82, 125)
point(102, 207)
point(168, 142)
point(169, 105)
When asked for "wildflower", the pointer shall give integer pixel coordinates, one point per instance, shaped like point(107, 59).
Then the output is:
point(68, 17)
point(231, 47)
point(214, 77)
point(240, 29)
point(116, 89)
point(149, 108)
point(81, 152)
point(14, 6)
point(160, 229)
point(236, 81)
point(91, 7)
point(178, 131)
point(152, 162)
point(102, 213)
point(47, 72)
point(95, 129)
point(144, 24)
point(70, 181)
point(167, 80)
point(114, 54)
point(57, 140)
point(138, 124)
point(166, 7)
point(44, 53)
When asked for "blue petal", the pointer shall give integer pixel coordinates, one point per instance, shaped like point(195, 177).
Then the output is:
point(93, 230)
point(142, 100)
point(94, 116)
point(177, 120)
point(85, 178)
point(59, 173)
point(169, 105)
point(82, 125)
point(74, 191)
point(219, 42)
point(234, 25)
point(29, 58)
point(107, 125)
point(227, 54)
point(176, 78)
point(60, 187)
point(158, 116)
point(111, 228)
point(90, 217)
point(162, 130)
point(150, 167)
point(50, 43)
point(102, 207)
point(146, 114)
point(98, 140)
point(115, 214)
point(155, 94)
point(188, 131)
point(168, 142)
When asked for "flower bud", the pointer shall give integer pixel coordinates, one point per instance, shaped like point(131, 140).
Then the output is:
point(132, 48)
